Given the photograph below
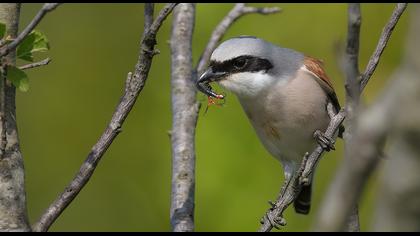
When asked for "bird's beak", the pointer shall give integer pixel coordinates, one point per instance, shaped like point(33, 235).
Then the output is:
point(207, 77)
point(210, 76)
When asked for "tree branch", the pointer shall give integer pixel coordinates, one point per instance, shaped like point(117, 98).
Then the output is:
point(185, 110)
point(47, 7)
point(352, 53)
point(386, 34)
point(397, 203)
point(352, 94)
point(309, 164)
point(239, 10)
point(36, 64)
point(345, 190)
point(13, 210)
point(133, 86)
point(148, 14)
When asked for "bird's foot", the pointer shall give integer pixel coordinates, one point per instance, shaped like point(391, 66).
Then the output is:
point(272, 205)
point(326, 143)
point(275, 221)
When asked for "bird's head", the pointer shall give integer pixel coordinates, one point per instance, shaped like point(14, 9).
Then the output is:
point(245, 66)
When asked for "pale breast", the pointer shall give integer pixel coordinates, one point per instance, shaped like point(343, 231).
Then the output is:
point(288, 115)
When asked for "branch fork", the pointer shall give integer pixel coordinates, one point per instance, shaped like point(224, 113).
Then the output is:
point(133, 86)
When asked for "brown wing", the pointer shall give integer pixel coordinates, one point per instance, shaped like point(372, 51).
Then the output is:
point(316, 67)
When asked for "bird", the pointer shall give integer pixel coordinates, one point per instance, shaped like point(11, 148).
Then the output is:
point(283, 92)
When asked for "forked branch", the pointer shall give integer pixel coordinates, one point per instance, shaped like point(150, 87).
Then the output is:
point(133, 86)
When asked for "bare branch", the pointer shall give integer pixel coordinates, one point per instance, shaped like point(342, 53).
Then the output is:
point(352, 223)
point(148, 11)
point(185, 110)
point(359, 162)
point(333, 127)
point(352, 54)
point(383, 40)
point(36, 64)
point(47, 7)
point(397, 205)
point(352, 94)
point(13, 210)
point(239, 10)
point(134, 85)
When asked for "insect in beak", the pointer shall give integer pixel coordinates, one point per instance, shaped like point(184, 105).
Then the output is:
point(203, 83)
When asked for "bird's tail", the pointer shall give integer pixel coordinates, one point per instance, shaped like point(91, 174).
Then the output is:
point(302, 203)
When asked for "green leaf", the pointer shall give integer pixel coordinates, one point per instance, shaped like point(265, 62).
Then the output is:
point(2, 30)
point(34, 42)
point(18, 77)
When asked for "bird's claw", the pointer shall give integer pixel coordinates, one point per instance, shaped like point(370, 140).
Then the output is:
point(276, 222)
point(272, 205)
point(325, 142)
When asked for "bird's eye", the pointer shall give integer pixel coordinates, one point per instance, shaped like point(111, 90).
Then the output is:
point(240, 63)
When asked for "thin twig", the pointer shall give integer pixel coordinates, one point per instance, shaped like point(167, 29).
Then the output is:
point(333, 127)
point(134, 85)
point(185, 110)
point(240, 9)
point(386, 34)
point(44, 62)
point(47, 7)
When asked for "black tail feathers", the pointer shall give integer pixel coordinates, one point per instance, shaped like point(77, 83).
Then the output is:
point(302, 203)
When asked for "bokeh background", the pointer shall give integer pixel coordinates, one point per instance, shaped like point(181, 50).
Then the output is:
point(70, 102)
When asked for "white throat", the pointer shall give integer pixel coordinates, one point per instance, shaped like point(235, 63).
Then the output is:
point(248, 84)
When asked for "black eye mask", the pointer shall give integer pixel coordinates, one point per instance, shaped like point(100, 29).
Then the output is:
point(244, 63)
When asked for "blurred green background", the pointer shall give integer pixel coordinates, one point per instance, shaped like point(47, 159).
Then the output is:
point(70, 102)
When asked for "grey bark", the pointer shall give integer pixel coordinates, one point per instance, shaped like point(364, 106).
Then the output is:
point(149, 9)
point(363, 150)
point(13, 211)
point(352, 94)
point(185, 110)
point(398, 202)
point(133, 86)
